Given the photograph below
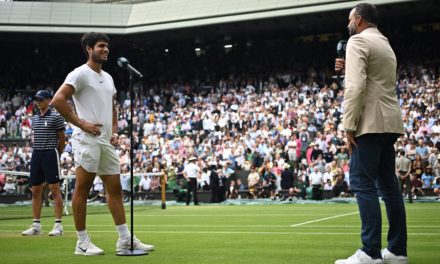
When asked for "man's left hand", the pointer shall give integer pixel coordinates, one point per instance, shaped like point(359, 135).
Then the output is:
point(350, 141)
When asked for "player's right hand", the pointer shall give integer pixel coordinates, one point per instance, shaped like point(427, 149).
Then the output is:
point(91, 128)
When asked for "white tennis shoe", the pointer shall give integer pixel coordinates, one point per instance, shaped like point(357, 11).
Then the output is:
point(390, 258)
point(359, 257)
point(122, 245)
point(87, 248)
point(33, 230)
point(57, 230)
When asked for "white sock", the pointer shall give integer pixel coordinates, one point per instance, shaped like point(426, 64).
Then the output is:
point(124, 234)
point(57, 222)
point(82, 235)
point(36, 223)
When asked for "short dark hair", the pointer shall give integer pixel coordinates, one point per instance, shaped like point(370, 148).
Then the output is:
point(90, 39)
point(368, 12)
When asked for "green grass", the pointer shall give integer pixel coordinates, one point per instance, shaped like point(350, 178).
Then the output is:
point(220, 234)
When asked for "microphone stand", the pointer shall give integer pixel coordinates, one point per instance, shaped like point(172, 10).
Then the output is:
point(131, 251)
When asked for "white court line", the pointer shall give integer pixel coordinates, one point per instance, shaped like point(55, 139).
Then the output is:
point(231, 232)
point(211, 215)
point(323, 219)
point(229, 226)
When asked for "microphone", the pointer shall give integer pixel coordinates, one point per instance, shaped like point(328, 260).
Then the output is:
point(341, 48)
point(124, 63)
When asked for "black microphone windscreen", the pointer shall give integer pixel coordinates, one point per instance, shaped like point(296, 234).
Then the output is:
point(122, 62)
point(341, 47)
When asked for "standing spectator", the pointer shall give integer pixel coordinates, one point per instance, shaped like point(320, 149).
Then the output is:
point(49, 138)
point(373, 122)
point(13, 126)
point(403, 169)
point(214, 182)
point(191, 173)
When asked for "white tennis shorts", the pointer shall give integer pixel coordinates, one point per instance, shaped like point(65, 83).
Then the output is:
point(96, 158)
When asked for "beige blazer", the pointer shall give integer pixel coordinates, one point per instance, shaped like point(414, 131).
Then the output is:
point(370, 101)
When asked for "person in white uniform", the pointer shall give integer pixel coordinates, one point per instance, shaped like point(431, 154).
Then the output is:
point(94, 137)
point(191, 172)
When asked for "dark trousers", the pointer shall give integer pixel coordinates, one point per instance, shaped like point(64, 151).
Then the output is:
point(317, 192)
point(372, 173)
point(407, 183)
point(192, 187)
point(214, 194)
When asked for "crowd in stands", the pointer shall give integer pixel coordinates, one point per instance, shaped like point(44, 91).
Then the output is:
point(281, 130)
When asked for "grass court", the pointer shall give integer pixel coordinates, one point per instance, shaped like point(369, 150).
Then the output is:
point(271, 233)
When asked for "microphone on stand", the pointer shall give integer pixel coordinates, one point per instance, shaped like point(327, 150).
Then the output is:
point(124, 63)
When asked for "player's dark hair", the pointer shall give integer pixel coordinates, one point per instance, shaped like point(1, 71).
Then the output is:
point(90, 39)
point(368, 12)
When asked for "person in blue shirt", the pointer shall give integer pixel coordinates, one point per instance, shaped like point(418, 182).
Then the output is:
point(428, 177)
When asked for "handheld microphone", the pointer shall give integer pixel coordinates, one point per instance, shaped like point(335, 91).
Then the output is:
point(124, 63)
point(341, 48)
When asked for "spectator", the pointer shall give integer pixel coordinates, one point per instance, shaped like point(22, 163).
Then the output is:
point(427, 178)
point(9, 186)
point(403, 169)
point(253, 182)
point(316, 180)
point(232, 192)
point(417, 167)
point(191, 173)
point(416, 187)
point(13, 126)
point(145, 184)
point(340, 188)
point(436, 186)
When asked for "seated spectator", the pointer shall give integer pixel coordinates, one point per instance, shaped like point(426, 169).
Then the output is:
point(253, 182)
point(241, 186)
point(340, 188)
point(155, 183)
point(232, 192)
point(145, 184)
point(9, 187)
point(417, 167)
point(2, 182)
point(328, 186)
point(436, 186)
point(416, 187)
point(292, 194)
point(427, 178)
point(97, 190)
point(203, 181)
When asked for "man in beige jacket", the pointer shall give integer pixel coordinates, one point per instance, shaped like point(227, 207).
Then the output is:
point(373, 122)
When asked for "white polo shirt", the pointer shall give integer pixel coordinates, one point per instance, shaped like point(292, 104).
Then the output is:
point(191, 170)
